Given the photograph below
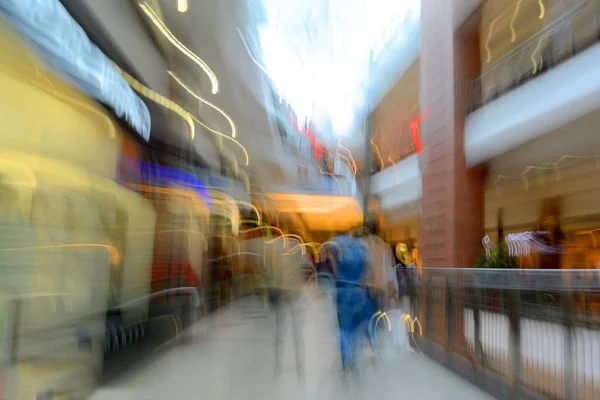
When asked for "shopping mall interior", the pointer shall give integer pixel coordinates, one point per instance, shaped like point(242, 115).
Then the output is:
point(184, 182)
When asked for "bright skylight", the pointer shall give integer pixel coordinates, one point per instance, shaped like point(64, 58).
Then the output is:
point(320, 54)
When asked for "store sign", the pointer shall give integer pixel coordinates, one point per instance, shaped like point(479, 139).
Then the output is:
point(66, 47)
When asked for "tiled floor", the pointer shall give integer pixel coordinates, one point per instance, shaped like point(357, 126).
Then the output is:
point(232, 356)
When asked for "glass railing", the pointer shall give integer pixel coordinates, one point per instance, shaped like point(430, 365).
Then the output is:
point(576, 30)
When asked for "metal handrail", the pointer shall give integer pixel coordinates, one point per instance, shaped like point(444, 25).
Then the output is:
point(516, 333)
point(518, 279)
point(532, 57)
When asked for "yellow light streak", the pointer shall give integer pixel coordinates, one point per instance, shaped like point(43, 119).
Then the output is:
point(113, 253)
point(555, 165)
point(387, 319)
point(489, 35)
point(334, 178)
point(313, 245)
point(534, 52)
point(163, 101)
point(229, 209)
point(225, 136)
point(286, 235)
point(591, 233)
point(252, 206)
point(378, 152)
point(186, 231)
point(542, 9)
point(179, 46)
point(513, 33)
point(197, 97)
point(262, 227)
point(411, 324)
point(353, 166)
point(347, 161)
point(487, 40)
point(375, 315)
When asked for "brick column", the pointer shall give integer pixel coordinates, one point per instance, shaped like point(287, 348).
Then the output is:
point(452, 220)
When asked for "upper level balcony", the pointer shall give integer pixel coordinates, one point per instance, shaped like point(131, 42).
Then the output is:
point(542, 84)
point(396, 180)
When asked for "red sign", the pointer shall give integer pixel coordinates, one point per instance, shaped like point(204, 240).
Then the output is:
point(314, 143)
point(416, 133)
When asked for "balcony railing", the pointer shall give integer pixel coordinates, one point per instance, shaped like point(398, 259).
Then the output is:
point(516, 333)
point(574, 31)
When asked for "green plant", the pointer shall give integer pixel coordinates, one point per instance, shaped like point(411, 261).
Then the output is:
point(498, 258)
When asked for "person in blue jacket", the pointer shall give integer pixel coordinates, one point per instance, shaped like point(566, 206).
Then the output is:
point(353, 258)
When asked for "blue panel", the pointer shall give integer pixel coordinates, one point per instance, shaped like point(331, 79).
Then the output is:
point(169, 177)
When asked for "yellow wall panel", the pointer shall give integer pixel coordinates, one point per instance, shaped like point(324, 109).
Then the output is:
point(42, 115)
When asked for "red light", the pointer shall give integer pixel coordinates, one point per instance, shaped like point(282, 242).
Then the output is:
point(314, 143)
point(416, 133)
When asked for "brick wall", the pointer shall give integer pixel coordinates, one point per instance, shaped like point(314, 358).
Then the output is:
point(470, 202)
point(452, 219)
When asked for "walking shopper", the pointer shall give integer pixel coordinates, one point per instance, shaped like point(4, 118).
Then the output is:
point(382, 281)
point(351, 294)
point(283, 273)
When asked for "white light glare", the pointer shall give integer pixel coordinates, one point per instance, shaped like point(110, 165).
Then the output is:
point(320, 53)
point(182, 6)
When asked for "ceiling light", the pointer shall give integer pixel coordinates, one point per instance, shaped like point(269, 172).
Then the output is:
point(182, 6)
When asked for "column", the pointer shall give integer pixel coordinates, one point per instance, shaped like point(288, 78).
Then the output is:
point(452, 219)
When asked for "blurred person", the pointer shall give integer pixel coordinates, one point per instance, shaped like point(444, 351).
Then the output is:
point(283, 273)
point(382, 275)
point(414, 267)
point(382, 280)
point(404, 261)
point(352, 260)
